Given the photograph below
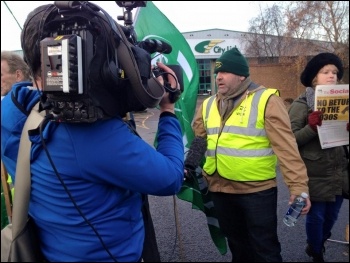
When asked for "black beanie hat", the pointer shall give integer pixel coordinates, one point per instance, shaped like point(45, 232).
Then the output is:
point(318, 62)
point(232, 61)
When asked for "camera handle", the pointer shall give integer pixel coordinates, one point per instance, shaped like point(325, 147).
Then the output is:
point(128, 19)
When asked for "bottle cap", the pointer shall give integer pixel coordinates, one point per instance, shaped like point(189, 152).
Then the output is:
point(304, 195)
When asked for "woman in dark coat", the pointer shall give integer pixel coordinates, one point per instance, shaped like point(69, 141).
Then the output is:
point(326, 167)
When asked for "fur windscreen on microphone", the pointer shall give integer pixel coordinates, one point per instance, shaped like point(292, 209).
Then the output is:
point(195, 153)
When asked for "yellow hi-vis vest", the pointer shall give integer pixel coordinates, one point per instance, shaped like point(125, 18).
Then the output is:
point(241, 151)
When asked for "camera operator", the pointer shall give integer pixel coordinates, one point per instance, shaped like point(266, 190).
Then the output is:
point(106, 168)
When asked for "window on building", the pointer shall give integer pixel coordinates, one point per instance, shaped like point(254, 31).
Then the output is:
point(204, 77)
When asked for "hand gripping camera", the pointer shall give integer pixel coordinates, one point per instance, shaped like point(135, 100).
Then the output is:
point(174, 93)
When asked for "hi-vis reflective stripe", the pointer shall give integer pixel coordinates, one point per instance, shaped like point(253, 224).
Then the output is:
point(211, 131)
point(253, 113)
point(250, 130)
point(210, 102)
point(240, 152)
point(238, 130)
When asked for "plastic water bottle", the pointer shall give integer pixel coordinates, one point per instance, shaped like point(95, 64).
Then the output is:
point(294, 210)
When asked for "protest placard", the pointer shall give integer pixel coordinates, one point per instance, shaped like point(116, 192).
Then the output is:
point(333, 101)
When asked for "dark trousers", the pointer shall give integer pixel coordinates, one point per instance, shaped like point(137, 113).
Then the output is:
point(320, 221)
point(150, 251)
point(249, 222)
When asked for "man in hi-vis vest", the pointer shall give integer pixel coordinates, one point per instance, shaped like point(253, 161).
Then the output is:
point(247, 128)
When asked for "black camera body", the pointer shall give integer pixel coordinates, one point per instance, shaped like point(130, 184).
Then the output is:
point(64, 63)
point(131, 4)
point(174, 93)
point(89, 68)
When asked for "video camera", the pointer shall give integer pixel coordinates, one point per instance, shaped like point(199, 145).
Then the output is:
point(152, 46)
point(91, 66)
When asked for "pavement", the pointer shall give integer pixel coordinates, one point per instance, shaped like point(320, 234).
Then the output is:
point(147, 121)
point(183, 235)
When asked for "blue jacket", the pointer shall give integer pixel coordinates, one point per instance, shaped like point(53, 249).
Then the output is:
point(106, 168)
point(15, 108)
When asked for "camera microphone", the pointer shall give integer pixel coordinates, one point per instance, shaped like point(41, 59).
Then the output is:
point(196, 152)
point(155, 45)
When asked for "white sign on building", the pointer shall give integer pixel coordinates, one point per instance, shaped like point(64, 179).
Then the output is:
point(212, 48)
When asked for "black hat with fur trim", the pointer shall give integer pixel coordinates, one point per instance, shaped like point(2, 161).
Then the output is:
point(318, 62)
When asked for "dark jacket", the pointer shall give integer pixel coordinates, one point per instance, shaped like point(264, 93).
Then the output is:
point(325, 167)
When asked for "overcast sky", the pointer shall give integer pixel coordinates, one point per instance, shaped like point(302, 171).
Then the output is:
point(185, 15)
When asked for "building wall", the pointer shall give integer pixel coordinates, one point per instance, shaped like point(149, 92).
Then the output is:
point(282, 77)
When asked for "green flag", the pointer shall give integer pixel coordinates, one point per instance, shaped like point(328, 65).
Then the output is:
point(151, 23)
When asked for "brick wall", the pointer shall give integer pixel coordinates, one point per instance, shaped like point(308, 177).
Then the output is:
point(280, 76)
point(284, 77)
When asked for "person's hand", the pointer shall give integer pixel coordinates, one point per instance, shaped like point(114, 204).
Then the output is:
point(307, 206)
point(187, 175)
point(171, 77)
point(315, 119)
point(165, 104)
